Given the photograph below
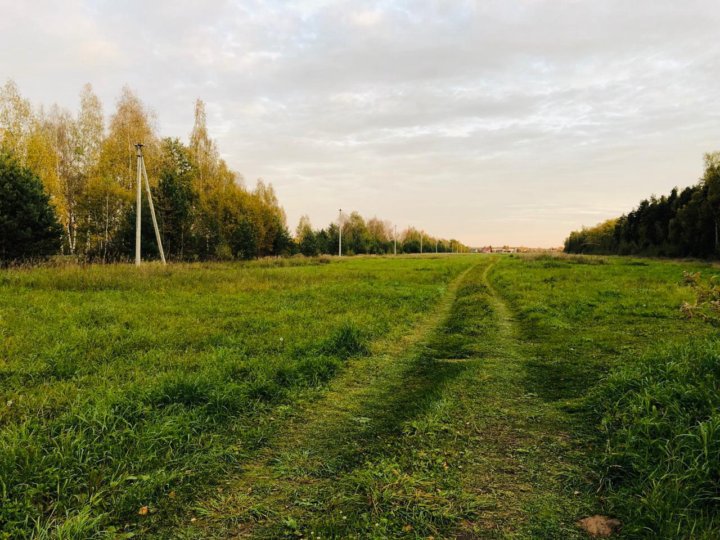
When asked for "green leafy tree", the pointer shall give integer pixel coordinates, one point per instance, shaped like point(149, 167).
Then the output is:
point(333, 239)
point(379, 236)
point(282, 241)
point(243, 239)
point(176, 199)
point(410, 241)
point(356, 238)
point(306, 238)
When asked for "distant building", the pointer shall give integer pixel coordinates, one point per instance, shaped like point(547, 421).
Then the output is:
point(504, 249)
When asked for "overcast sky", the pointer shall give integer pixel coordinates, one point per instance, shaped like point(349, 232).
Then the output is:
point(508, 122)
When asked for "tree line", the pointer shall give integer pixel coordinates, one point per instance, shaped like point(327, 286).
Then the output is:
point(373, 237)
point(87, 170)
point(66, 187)
point(685, 223)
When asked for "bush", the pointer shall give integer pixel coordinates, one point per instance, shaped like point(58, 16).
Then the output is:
point(29, 228)
point(661, 420)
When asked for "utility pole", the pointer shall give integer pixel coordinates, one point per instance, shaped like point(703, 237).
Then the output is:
point(142, 173)
point(436, 246)
point(395, 241)
point(421, 239)
point(340, 232)
point(138, 205)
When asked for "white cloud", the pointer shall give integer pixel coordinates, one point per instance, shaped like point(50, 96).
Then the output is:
point(370, 17)
point(446, 115)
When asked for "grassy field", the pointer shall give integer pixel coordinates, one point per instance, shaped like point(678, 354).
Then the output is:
point(606, 343)
point(457, 396)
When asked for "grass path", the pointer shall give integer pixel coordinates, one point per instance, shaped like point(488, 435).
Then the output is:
point(434, 435)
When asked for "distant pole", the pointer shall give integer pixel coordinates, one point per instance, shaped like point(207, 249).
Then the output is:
point(340, 231)
point(395, 241)
point(138, 200)
point(436, 247)
point(421, 239)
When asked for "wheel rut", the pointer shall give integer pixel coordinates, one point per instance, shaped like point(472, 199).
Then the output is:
point(367, 402)
point(436, 436)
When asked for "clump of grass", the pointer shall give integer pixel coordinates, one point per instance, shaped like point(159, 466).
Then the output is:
point(707, 302)
point(661, 421)
point(346, 342)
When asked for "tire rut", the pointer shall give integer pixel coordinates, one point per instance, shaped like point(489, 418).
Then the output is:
point(368, 402)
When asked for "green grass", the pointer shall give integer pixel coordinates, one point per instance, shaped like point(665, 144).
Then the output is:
point(661, 420)
point(606, 342)
point(123, 388)
point(409, 397)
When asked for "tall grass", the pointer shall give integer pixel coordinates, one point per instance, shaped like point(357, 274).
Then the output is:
point(661, 421)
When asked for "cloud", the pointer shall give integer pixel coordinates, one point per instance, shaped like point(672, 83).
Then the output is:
point(366, 17)
point(450, 116)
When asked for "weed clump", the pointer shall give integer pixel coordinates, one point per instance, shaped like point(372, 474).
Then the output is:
point(661, 421)
point(346, 342)
point(707, 301)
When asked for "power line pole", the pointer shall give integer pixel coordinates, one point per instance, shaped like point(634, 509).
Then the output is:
point(421, 239)
point(395, 241)
point(142, 173)
point(340, 232)
point(152, 214)
point(138, 205)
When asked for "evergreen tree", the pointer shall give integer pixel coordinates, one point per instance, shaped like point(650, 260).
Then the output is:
point(29, 228)
point(685, 223)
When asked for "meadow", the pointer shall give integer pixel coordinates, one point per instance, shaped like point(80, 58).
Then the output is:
point(369, 397)
point(608, 345)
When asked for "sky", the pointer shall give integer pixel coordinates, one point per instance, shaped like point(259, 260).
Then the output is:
point(494, 122)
